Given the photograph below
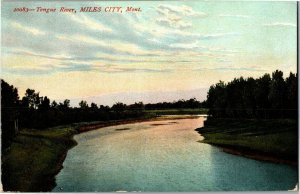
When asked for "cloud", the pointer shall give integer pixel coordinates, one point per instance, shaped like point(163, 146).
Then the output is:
point(223, 60)
point(224, 69)
point(224, 50)
point(37, 63)
point(173, 23)
point(27, 71)
point(235, 16)
point(280, 24)
point(30, 53)
point(127, 70)
point(90, 23)
point(112, 46)
point(177, 35)
point(173, 16)
point(216, 35)
point(27, 29)
point(180, 10)
point(192, 45)
point(101, 59)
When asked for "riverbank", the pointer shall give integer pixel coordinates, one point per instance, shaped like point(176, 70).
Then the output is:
point(267, 140)
point(36, 156)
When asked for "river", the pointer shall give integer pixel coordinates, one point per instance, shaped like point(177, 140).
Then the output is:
point(163, 156)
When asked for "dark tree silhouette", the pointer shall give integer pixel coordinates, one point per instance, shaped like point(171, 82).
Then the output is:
point(83, 104)
point(292, 94)
point(277, 95)
point(119, 107)
point(31, 99)
point(65, 105)
point(9, 113)
point(94, 106)
point(54, 104)
point(261, 92)
point(264, 97)
point(45, 104)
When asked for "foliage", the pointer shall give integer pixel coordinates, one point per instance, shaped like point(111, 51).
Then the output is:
point(264, 97)
point(9, 112)
point(83, 104)
point(191, 103)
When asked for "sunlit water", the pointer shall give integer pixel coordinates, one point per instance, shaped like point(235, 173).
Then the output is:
point(163, 156)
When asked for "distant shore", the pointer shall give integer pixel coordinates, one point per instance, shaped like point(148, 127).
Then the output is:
point(265, 140)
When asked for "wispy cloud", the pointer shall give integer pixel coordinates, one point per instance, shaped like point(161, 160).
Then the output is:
point(224, 69)
point(173, 22)
point(193, 45)
point(235, 16)
point(137, 70)
point(221, 60)
point(31, 30)
point(173, 16)
point(90, 23)
point(180, 10)
point(114, 45)
point(280, 24)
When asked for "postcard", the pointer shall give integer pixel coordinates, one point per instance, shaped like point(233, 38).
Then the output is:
point(149, 96)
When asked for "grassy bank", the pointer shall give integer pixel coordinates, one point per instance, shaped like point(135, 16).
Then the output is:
point(34, 158)
point(270, 140)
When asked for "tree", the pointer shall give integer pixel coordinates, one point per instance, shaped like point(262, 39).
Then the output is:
point(248, 98)
point(264, 97)
point(9, 113)
point(216, 99)
point(31, 99)
point(83, 104)
point(94, 106)
point(45, 104)
point(119, 107)
point(277, 95)
point(292, 94)
point(234, 98)
point(104, 108)
point(65, 105)
point(137, 106)
point(192, 103)
point(261, 93)
point(9, 95)
point(54, 104)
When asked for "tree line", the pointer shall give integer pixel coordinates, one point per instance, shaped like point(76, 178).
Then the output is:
point(191, 104)
point(266, 97)
point(39, 112)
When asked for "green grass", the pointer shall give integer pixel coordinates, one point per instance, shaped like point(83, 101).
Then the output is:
point(275, 137)
point(34, 158)
point(179, 111)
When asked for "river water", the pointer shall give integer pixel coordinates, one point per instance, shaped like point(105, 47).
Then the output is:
point(163, 156)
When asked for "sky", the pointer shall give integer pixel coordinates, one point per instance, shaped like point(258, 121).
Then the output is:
point(167, 49)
